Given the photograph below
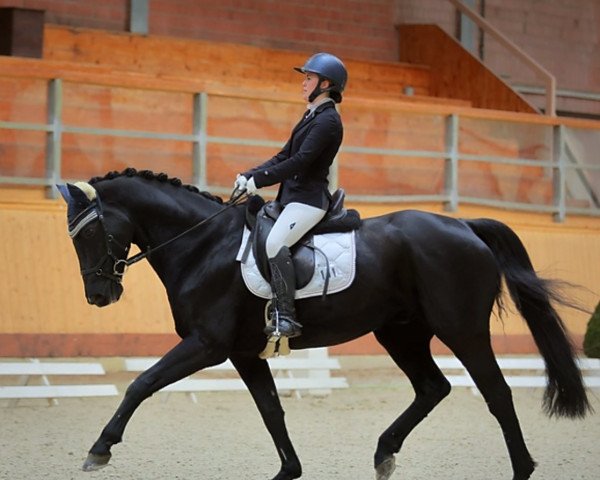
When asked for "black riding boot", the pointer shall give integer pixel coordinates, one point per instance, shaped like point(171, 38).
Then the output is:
point(283, 284)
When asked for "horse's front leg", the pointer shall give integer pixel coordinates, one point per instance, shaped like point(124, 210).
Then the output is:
point(258, 378)
point(187, 357)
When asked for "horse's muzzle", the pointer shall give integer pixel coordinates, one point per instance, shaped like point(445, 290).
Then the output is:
point(99, 300)
point(111, 294)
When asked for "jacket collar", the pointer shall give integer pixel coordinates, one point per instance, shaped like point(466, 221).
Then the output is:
point(310, 115)
point(324, 101)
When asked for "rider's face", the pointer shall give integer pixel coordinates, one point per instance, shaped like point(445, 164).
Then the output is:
point(309, 84)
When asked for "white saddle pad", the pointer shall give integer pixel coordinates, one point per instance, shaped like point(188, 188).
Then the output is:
point(340, 250)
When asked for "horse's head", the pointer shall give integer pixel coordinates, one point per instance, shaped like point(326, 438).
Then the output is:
point(101, 235)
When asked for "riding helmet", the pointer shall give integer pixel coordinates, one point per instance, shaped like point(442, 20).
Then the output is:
point(327, 67)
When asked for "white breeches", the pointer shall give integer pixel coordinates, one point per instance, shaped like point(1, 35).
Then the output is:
point(294, 221)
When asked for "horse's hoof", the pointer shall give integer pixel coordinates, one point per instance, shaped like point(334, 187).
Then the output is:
point(95, 462)
point(384, 470)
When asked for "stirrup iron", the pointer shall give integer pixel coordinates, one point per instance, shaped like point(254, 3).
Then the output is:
point(277, 326)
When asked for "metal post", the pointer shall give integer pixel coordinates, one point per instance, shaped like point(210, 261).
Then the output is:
point(138, 16)
point(334, 170)
point(558, 172)
point(334, 174)
point(200, 136)
point(451, 164)
point(551, 96)
point(54, 137)
point(467, 29)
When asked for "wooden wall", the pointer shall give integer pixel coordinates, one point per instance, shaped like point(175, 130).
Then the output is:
point(231, 64)
point(351, 28)
point(455, 72)
point(560, 35)
point(43, 310)
point(432, 64)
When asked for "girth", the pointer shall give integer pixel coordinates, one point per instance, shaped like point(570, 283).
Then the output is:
point(261, 216)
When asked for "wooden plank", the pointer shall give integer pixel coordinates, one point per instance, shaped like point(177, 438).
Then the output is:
point(537, 363)
point(591, 382)
point(279, 363)
point(525, 381)
point(517, 363)
point(25, 368)
point(316, 364)
point(448, 362)
point(460, 380)
point(58, 391)
point(230, 384)
point(587, 365)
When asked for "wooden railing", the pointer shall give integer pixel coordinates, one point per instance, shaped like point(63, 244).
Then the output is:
point(61, 120)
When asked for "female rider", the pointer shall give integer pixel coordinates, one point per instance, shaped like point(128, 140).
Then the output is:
point(301, 168)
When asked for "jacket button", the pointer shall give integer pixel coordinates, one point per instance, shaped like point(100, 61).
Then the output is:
point(266, 172)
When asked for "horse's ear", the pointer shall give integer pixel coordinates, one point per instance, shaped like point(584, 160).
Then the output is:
point(64, 191)
point(78, 196)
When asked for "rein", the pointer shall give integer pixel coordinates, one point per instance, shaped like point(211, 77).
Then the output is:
point(96, 212)
point(235, 200)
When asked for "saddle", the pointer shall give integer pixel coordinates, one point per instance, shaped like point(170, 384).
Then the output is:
point(261, 216)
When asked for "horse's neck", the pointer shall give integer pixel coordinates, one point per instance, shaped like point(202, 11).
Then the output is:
point(158, 219)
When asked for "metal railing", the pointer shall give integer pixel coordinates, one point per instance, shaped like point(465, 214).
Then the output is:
point(562, 170)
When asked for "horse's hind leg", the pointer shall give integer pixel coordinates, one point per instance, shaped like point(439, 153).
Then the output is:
point(477, 356)
point(409, 348)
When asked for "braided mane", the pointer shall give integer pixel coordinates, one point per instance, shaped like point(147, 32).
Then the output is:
point(150, 175)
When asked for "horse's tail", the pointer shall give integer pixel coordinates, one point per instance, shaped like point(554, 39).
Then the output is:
point(565, 393)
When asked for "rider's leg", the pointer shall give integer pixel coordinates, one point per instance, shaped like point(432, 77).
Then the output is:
point(293, 223)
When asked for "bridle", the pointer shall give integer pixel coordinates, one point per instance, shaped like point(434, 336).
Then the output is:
point(116, 271)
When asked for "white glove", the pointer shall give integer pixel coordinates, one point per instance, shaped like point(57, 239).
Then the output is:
point(251, 186)
point(240, 182)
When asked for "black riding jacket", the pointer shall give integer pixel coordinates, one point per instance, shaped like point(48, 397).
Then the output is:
point(303, 164)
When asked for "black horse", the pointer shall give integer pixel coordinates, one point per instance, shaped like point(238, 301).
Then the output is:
point(418, 275)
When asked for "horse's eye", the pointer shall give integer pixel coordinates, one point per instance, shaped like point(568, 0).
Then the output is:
point(89, 231)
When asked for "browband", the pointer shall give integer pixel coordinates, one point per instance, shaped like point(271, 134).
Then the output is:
point(77, 225)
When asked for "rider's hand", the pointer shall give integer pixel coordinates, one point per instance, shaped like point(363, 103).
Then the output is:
point(240, 182)
point(251, 186)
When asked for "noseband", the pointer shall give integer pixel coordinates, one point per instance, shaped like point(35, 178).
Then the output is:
point(120, 265)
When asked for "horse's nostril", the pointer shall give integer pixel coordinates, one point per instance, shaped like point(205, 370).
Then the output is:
point(96, 299)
